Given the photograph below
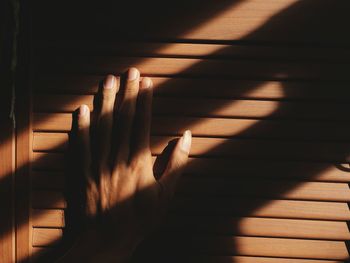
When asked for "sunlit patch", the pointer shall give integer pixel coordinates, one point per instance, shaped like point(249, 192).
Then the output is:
point(246, 16)
point(268, 89)
point(220, 27)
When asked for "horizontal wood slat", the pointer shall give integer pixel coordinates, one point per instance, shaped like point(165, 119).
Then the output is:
point(252, 226)
point(45, 161)
point(48, 199)
point(212, 107)
point(217, 147)
point(256, 246)
point(225, 51)
point(37, 251)
point(193, 67)
point(46, 236)
point(251, 246)
point(218, 127)
point(240, 186)
point(269, 21)
point(337, 172)
point(245, 226)
point(48, 180)
point(229, 206)
point(48, 218)
point(241, 259)
point(268, 188)
point(204, 87)
point(262, 208)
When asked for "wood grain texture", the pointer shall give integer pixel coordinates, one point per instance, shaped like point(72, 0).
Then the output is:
point(48, 218)
point(260, 22)
point(203, 87)
point(258, 246)
point(254, 226)
point(213, 107)
point(263, 88)
point(244, 226)
point(48, 180)
point(218, 127)
point(218, 147)
point(337, 172)
point(7, 138)
point(238, 186)
point(220, 259)
point(262, 208)
point(201, 205)
point(251, 246)
point(46, 236)
point(202, 50)
point(237, 68)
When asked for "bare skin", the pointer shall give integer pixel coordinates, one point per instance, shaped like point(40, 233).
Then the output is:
point(122, 191)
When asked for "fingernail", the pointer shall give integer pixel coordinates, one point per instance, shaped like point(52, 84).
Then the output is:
point(109, 82)
point(186, 141)
point(83, 110)
point(146, 83)
point(133, 74)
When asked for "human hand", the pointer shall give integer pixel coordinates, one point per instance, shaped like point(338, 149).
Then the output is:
point(124, 200)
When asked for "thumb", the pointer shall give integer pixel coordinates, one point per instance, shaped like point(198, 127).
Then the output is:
point(176, 164)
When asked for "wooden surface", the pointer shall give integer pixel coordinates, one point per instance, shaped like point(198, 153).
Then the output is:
point(263, 85)
point(7, 138)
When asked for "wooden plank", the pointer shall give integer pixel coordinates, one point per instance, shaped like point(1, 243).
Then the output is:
point(228, 206)
point(7, 137)
point(7, 171)
point(48, 218)
point(238, 68)
point(253, 226)
point(245, 226)
point(252, 246)
point(46, 236)
point(238, 259)
point(253, 187)
point(281, 150)
point(50, 141)
point(218, 259)
point(227, 168)
point(204, 50)
point(204, 87)
point(45, 161)
point(194, 20)
point(218, 127)
point(52, 121)
point(286, 189)
point(48, 180)
point(48, 199)
point(218, 147)
point(23, 142)
point(295, 190)
point(212, 107)
point(261, 208)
